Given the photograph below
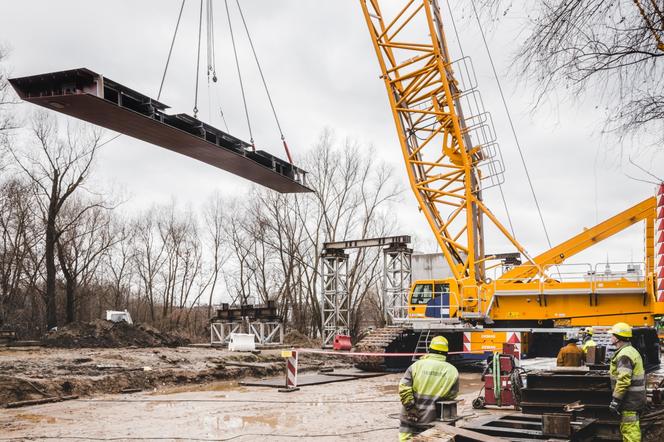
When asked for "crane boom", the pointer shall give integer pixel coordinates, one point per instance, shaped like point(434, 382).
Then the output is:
point(644, 210)
point(443, 159)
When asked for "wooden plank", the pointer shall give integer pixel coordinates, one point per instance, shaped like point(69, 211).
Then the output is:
point(444, 432)
point(47, 400)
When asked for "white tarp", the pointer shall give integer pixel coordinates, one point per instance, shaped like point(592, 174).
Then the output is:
point(241, 342)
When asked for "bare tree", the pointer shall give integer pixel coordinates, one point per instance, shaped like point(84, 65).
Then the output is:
point(7, 100)
point(213, 216)
point(276, 239)
point(19, 237)
point(81, 247)
point(119, 261)
point(149, 255)
point(57, 166)
point(6, 119)
point(613, 49)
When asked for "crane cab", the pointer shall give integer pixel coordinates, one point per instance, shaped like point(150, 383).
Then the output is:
point(433, 299)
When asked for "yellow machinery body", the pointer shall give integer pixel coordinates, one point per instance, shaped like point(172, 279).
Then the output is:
point(450, 162)
point(585, 297)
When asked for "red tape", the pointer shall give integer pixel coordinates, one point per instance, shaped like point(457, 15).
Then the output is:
point(323, 352)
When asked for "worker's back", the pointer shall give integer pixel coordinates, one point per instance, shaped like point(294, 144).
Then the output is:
point(430, 379)
point(570, 356)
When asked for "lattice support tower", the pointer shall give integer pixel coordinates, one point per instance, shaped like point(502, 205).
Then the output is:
point(336, 299)
point(397, 276)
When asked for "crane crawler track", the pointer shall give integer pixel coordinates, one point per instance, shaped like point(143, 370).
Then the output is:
point(386, 340)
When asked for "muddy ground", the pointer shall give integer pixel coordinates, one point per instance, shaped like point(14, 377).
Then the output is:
point(363, 409)
point(33, 372)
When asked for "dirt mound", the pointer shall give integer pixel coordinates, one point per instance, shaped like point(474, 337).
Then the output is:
point(297, 339)
point(106, 334)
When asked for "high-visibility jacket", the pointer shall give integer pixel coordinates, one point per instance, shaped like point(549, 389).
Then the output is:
point(428, 380)
point(628, 378)
point(570, 356)
point(586, 344)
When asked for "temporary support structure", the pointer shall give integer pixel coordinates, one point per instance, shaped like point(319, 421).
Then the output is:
point(335, 302)
point(89, 96)
point(265, 332)
point(260, 320)
point(336, 299)
point(396, 281)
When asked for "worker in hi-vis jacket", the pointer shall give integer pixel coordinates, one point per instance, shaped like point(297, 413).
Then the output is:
point(427, 381)
point(628, 381)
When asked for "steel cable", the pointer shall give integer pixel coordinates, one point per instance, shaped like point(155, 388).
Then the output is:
point(238, 436)
point(500, 185)
point(267, 91)
point(170, 51)
point(239, 74)
point(509, 118)
point(198, 58)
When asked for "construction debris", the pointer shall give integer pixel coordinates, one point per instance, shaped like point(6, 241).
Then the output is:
point(107, 334)
point(46, 400)
point(296, 339)
point(51, 372)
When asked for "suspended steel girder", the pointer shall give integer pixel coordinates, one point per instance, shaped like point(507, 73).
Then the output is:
point(89, 96)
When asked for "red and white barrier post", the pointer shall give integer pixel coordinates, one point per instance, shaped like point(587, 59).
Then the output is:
point(659, 244)
point(291, 371)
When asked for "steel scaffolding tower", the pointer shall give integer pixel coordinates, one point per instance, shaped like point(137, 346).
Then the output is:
point(335, 302)
point(397, 272)
point(336, 299)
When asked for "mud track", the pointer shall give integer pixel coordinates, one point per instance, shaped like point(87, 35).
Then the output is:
point(36, 372)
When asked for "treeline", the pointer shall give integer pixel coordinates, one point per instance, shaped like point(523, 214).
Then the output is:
point(68, 251)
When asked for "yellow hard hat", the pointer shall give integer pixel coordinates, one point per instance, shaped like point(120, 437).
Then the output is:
point(622, 329)
point(587, 330)
point(439, 343)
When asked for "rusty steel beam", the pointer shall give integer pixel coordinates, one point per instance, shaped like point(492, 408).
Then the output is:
point(89, 96)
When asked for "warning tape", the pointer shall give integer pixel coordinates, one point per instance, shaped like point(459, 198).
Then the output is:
point(323, 352)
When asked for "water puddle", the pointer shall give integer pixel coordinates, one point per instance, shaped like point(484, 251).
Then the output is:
point(189, 388)
point(235, 422)
point(388, 389)
point(36, 418)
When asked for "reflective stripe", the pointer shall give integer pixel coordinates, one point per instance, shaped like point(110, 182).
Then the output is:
point(629, 416)
point(428, 380)
point(587, 344)
point(628, 378)
point(405, 436)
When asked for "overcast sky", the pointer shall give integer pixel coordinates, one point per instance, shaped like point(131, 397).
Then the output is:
point(322, 71)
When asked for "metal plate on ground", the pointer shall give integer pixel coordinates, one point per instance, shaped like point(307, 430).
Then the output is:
point(528, 427)
point(302, 380)
point(91, 97)
point(358, 374)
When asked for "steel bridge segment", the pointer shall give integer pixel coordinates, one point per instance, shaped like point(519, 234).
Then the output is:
point(89, 96)
point(368, 242)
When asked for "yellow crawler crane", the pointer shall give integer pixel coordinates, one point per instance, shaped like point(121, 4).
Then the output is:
point(451, 157)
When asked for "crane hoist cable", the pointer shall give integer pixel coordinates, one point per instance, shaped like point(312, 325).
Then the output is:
point(198, 58)
point(170, 51)
point(211, 56)
point(500, 185)
point(509, 118)
point(239, 74)
point(267, 91)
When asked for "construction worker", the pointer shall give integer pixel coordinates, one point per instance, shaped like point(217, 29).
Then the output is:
point(429, 380)
point(570, 355)
point(628, 381)
point(587, 339)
